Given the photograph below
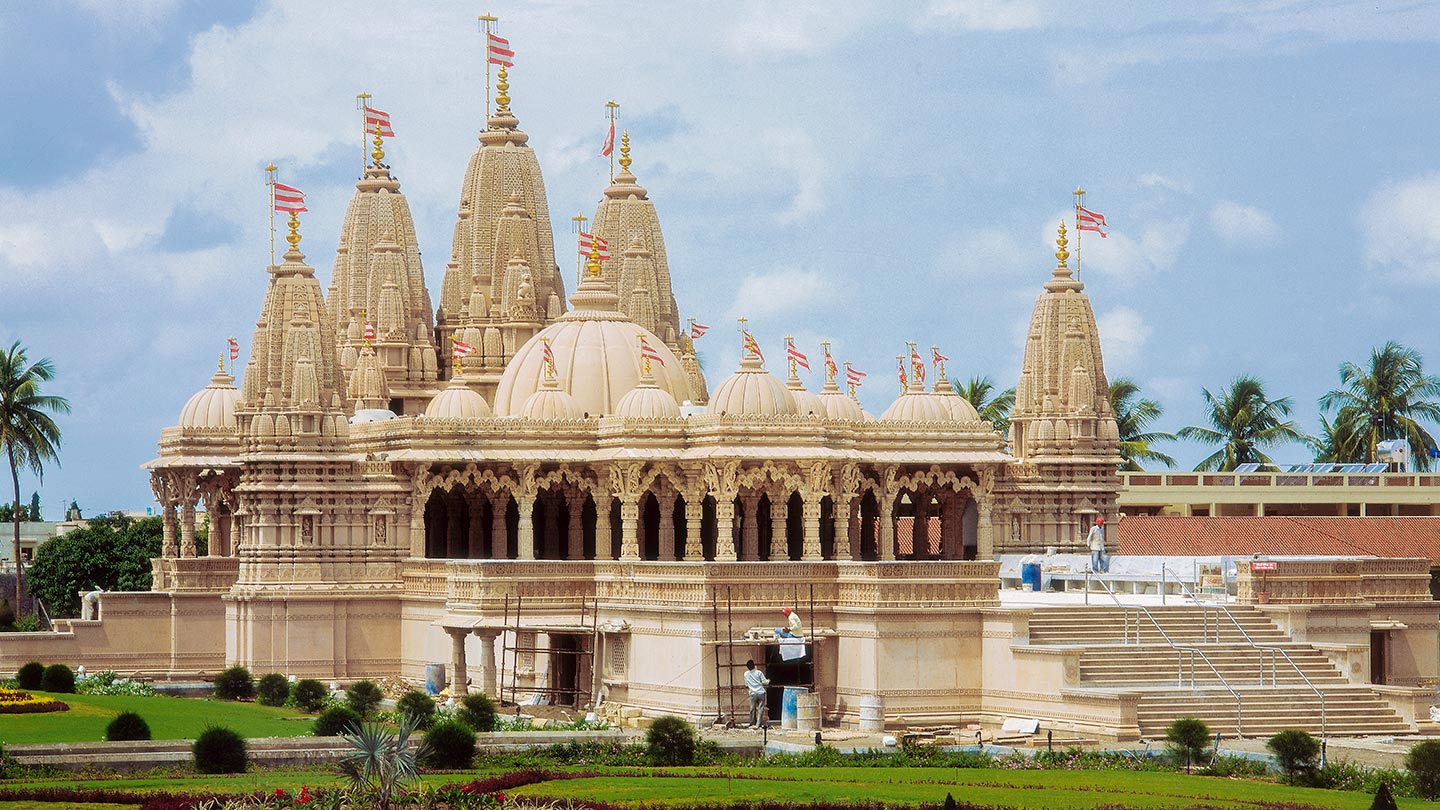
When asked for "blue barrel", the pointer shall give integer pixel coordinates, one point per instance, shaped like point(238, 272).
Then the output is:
point(1030, 576)
point(435, 679)
point(787, 705)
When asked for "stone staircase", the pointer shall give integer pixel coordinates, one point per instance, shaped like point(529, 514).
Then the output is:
point(1175, 683)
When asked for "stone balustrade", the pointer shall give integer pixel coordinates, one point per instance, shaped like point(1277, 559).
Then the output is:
point(194, 574)
point(1342, 581)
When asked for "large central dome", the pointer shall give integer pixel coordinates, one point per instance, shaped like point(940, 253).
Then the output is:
point(597, 357)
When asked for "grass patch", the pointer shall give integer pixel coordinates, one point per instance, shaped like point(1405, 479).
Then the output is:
point(170, 718)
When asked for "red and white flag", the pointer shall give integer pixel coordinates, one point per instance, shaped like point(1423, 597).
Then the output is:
point(795, 356)
point(698, 330)
point(587, 241)
point(462, 349)
point(830, 368)
point(648, 352)
point(854, 376)
point(378, 118)
point(748, 342)
point(936, 356)
point(288, 198)
point(900, 369)
point(234, 348)
point(369, 333)
point(499, 53)
point(1087, 220)
point(608, 147)
point(918, 365)
point(548, 357)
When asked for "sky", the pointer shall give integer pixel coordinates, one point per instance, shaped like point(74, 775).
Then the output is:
point(864, 173)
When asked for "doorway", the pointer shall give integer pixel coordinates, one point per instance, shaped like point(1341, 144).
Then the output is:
point(564, 669)
point(1378, 656)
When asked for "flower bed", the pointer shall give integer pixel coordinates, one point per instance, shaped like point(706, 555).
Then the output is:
point(15, 701)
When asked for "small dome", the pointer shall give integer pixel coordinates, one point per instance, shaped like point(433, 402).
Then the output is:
point(648, 401)
point(752, 391)
point(917, 406)
point(214, 405)
point(960, 408)
point(839, 405)
point(550, 403)
point(806, 403)
point(457, 401)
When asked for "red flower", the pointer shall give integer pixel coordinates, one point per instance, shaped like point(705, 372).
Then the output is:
point(279, 793)
point(499, 797)
point(467, 788)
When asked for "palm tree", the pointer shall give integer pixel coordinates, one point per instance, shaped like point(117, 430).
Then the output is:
point(1242, 421)
point(978, 391)
point(1133, 416)
point(1338, 442)
point(28, 436)
point(1385, 399)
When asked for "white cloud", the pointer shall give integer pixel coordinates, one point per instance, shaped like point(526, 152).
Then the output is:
point(783, 291)
point(1402, 229)
point(1130, 251)
point(983, 254)
point(1243, 225)
point(983, 15)
point(793, 155)
point(1123, 335)
point(1160, 181)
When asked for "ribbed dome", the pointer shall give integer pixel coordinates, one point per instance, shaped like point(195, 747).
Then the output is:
point(457, 401)
point(752, 391)
point(960, 408)
point(839, 405)
point(550, 403)
point(806, 403)
point(214, 405)
point(648, 401)
point(917, 406)
point(597, 357)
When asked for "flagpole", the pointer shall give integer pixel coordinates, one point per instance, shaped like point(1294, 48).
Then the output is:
point(690, 333)
point(579, 220)
point(1079, 201)
point(742, 321)
point(849, 380)
point(231, 353)
point(612, 107)
point(270, 173)
point(487, 18)
point(362, 100)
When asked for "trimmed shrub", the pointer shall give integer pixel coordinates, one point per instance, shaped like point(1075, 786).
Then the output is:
point(477, 711)
point(127, 726)
point(235, 683)
point(1296, 752)
point(29, 675)
point(309, 695)
point(58, 678)
point(335, 721)
point(220, 750)
point(363, 697)
point(1423, 762)
point(452, 745)
point(670, 741)
point(1186, 739)
point(418, 705)
point(273, 690)
point(1383, 798)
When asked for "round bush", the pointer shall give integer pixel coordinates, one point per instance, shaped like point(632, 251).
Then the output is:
point(670, 741)
point(29, 675)
point(57, 678)
point(452, 745)
point(273, 690)
point(335, 721)
point(1187, 738)
point(219, 750)
point(1423, 762)
point(478, 712)
point(418, 705)
point(1296, 752)
point(309, 695)
point(235, 683)
point(363, 697)
point(127, 726)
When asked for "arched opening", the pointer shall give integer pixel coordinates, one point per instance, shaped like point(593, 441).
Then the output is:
point(707, 528)
point(765, 524)
point(588, 520)
point(827, 528)
point(970, 530)
point(435, 525)
point(680, 535)
point(649, 530)
point(869, 527)
point(795, 528)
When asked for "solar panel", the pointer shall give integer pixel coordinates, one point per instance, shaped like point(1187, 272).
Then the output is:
point(1247, 468)
point(1376, 468)
point(1296, 468)
point(1351, 468)
point(1323, 468)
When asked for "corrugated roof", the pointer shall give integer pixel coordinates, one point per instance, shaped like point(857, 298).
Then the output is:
point(1241, 536)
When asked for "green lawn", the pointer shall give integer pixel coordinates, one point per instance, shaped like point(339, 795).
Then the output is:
point(170, 718)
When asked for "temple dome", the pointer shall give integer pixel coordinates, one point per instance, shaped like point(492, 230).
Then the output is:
point(648, 401)
point(550, 403)
point(917, 406)
point(752, 391)
point(457, 401)
point(597, 357)
point(839, 405)
point(806, 403)
point(961, 409)
point(214, 405)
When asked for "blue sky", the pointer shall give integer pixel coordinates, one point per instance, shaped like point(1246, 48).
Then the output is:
point(867, 173)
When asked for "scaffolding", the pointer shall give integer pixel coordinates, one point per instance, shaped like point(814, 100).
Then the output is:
point(577, 695)
point(726, 642)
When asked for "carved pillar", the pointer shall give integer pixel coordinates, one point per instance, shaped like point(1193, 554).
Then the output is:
point(187, 528)
point(525, 541)
point(984, 531)
point(552, 528)
point(459, 673)
point(487, 661)
point(499, 531)
point(779, 539)
point(575, 529)
point(604, 542)
point(856, 529)
point(169, 548)
point(629, 527)
point(920, 527)
point(475, 532)
point(750, 527)
point(811, 548)
point(417, 523)
point(887, 526)
point(724, 528)
point(666, 535)
point(694, 517)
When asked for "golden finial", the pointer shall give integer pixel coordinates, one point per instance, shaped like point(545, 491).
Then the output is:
point(625, 151)
point(379, 142)
point(294, 236)
point(548, 360)
point(592, 262)
point(502, 101)
point(1061, 242)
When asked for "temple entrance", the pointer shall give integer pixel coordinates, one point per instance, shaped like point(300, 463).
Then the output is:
point(1378, 656)
point(782, 673)
point(565, 652)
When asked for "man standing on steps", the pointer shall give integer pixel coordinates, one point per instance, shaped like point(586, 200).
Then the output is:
point(1099, 560)
point(756, 681)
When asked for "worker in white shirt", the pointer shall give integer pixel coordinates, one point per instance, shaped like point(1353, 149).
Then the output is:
point(1099, 560)
point(793, 626)
point(756, 681)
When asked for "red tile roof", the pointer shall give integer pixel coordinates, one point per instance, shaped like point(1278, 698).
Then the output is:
point(1239, 536)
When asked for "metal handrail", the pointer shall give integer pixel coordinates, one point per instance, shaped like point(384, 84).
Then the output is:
point(1274, 680)
point(1179, 663)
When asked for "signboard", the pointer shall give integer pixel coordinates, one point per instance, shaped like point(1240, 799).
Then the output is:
point(1264, 566)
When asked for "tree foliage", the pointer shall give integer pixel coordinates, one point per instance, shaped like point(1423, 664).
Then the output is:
point(1423, 762)
point(113, 553)
point(1134, 416)
point(992, 405)
point(1243, 422)
point(1296, 752)
point(1387, 398)
point(1187, 739)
